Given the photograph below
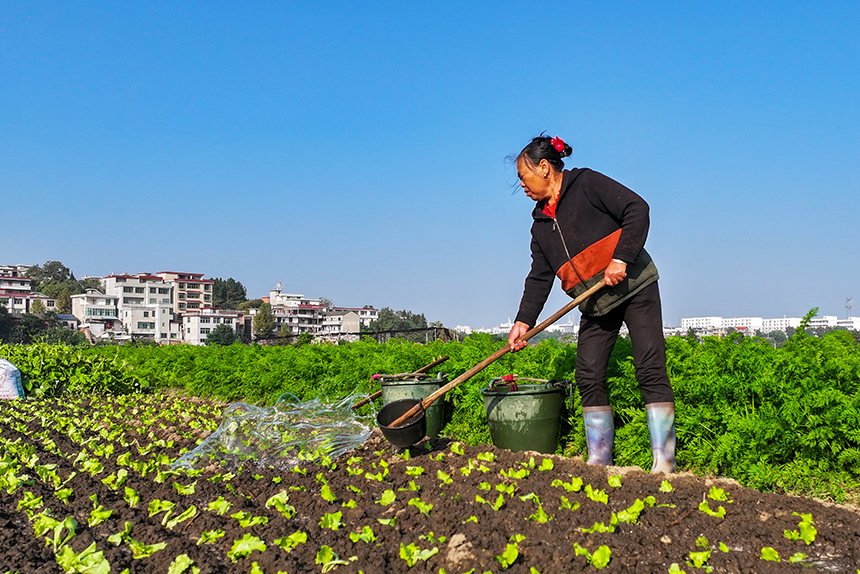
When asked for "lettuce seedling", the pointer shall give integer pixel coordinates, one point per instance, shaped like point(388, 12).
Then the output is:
point(500, 501)
point(718, 494)
point(540, 516)
point(185, 490)
point(509, 556)
point(211, 536)
point(457, 448)
point(574, 485)
point(387, 521)
point(90, 560)
point(64, 495)
point(332, 520)
point(666, 487)
point(140, 550)
point(327, 494)
point(287, 543)
point(565, 503)
point(246, 519)
point(516, 474)
point(596, 495)
point(546, 464)
point(614, 481)
point(423, 507)
point(98, 515)
point(182, 563)
point(806, 531)
point(486, 456)
point(414, 470)
point(279, 501)
point(366, 534)
point(769, 554)
point(329, 560)
point(412, 553)
point(719, 513)
point(387, 498)
point(191, 512)
point(221, 506)
point(242, 548)
point(158, 506)
point(444, 477)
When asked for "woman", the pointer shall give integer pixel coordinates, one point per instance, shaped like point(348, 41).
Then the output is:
point(587, 229)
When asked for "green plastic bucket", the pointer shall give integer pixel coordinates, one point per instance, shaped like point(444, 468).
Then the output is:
point(525, 419)
point(419, 388)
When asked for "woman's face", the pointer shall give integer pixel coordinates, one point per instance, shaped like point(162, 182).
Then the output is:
point(533, 180)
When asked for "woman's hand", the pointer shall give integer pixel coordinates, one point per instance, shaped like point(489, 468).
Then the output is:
point(615, 272)
point(519, 329)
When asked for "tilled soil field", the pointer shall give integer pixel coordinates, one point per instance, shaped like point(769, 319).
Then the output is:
point(438, 507)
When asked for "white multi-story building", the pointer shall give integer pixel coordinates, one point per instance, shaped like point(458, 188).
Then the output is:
point(14, 290)
point(851, 323)
point(749, 324)
point(192, 291)
point(780, 324)
point(198, 324)
point(99, 313)
point(824, 321)
point(145, 304)
point(701, 323)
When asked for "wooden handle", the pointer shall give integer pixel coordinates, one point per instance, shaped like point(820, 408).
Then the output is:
point(420, 371)
point(495, 356)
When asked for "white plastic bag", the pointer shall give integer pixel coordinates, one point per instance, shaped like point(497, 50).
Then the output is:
point(10, 381)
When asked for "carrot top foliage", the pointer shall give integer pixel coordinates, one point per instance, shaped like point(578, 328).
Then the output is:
point(782, 419)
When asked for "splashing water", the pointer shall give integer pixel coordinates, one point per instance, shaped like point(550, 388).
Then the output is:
point(275, 435)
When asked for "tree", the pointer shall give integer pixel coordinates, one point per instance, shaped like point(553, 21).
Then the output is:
point(250, 304)
point(390, 320)
point(222, 335)
point(326, 302)
point(264, 322)
point(90, 283)
point(228, 293)
point(64, 303)
point(37, 307)
point(7, 323)
point(50, 271)
point(61, 336)
point(30, 328)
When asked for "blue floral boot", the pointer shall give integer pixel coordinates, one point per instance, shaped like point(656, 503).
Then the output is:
point(661, 427)
point(599, 434)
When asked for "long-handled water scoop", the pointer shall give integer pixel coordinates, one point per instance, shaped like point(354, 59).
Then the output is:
point(420, 371)
point(402, 422)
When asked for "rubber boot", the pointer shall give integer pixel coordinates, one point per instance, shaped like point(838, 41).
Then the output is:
point(661, 427)
point(599, 434)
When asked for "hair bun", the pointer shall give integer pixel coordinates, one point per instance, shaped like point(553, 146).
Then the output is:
point(566, 152)
point(562, 148)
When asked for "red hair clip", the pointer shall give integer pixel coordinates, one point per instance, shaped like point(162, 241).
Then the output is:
point(557, 143)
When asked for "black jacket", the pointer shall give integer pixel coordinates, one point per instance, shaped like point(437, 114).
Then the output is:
point(596, 220)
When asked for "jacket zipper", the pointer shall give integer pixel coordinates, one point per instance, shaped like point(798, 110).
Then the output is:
point(557, 227)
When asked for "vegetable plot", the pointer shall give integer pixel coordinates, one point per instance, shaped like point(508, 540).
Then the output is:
point(86, 486)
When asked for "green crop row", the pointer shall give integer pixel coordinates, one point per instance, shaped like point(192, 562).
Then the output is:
point(780, 419)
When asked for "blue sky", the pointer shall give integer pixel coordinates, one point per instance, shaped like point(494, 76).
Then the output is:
point(357, 151)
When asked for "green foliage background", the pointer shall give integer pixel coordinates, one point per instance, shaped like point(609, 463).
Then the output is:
point(782, 419)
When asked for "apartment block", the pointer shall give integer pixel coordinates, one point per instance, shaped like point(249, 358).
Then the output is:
point(198, 324)
point(145, 304)
point(191, 289)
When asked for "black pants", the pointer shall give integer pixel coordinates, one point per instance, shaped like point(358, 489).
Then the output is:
point(643, 315)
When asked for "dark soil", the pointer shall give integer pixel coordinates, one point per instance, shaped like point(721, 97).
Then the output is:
point(468, 535)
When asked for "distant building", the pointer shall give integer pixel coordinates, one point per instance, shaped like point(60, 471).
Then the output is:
point(191, 289)
point(99, 313)
point(145, 304)
point(198, 324)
